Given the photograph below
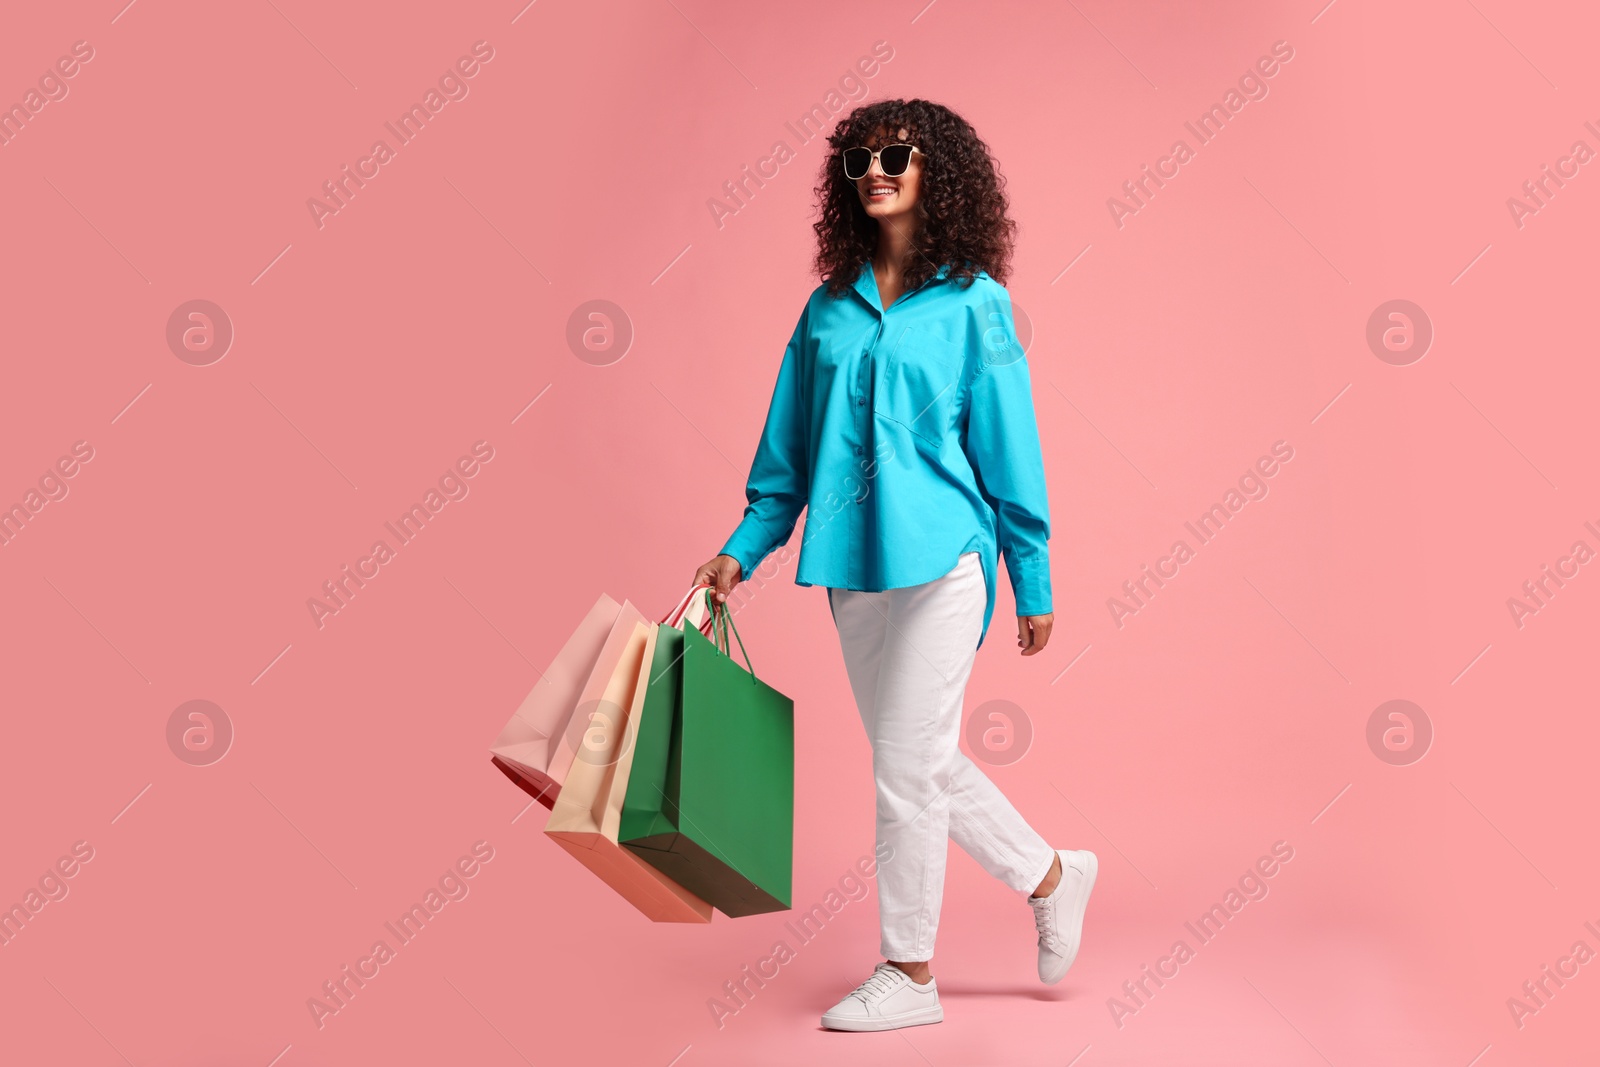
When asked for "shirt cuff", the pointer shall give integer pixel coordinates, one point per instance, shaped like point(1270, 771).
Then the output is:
point(749, 545)
point(1030, 583)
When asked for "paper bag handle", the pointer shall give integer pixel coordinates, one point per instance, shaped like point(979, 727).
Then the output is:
point(721, 614)
point(675, 616)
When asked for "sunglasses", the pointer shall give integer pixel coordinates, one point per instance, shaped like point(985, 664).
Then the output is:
point(894, 158)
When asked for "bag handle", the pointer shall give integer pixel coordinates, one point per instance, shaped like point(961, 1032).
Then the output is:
point(675, 616)
point(722, 616)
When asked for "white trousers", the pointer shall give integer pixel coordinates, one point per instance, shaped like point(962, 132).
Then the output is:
point(908, 653)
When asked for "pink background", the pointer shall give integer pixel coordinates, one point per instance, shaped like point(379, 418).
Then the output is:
point(1230, 713)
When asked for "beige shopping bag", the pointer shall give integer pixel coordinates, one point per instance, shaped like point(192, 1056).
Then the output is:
point(588, 810)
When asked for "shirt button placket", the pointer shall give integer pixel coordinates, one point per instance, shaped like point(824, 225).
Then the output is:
point(863, 386)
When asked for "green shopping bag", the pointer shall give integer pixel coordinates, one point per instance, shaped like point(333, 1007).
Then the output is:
point(710, 801)
point(643, 814)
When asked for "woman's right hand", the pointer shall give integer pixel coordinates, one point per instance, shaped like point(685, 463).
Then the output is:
point(722, 573)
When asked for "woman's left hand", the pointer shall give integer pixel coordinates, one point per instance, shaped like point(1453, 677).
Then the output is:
point(1033, 632)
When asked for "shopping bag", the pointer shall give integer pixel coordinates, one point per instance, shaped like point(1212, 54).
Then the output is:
point(710, 798)
point(585, 817)
point(656, 723)
point(532, 749)
point(592, 698)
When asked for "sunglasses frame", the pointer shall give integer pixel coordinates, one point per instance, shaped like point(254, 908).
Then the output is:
point(915, 151)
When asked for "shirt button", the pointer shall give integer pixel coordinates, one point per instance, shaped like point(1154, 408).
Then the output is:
point(858, 450)
point(861, 401)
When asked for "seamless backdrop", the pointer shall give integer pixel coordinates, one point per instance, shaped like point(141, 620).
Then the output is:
point(1339, 347)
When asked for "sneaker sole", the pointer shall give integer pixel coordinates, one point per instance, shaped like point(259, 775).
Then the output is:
point(1075, 920)
point(919, 1018)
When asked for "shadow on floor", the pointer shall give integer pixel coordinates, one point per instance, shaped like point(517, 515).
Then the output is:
point(1031, 992)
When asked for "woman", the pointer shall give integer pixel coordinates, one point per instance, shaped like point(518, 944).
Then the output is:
point(903, 420)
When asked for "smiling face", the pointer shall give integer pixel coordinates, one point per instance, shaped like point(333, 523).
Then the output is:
point(886, 198)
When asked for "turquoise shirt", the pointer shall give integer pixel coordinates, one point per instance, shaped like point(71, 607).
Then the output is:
point(909, 435)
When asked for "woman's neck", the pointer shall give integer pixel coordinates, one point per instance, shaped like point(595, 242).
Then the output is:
point(894, 247)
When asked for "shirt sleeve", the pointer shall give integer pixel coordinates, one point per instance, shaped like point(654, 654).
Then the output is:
point(780, 474)
point(1002, 446)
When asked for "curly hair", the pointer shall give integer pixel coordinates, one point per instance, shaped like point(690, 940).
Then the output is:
point(961, 208)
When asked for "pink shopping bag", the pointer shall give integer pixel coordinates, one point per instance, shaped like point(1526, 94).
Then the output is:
point(524, 748)
point(533, 750)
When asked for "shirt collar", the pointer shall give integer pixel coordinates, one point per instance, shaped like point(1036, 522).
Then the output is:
point(867, 283)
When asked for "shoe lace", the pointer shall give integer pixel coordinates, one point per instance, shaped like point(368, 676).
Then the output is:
point(1044, 912)
point(881, 980)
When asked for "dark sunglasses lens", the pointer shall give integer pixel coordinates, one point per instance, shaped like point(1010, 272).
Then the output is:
point(856, 162)
point(895, 159)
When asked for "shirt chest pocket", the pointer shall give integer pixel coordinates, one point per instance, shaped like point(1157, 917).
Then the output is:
point(920, 384)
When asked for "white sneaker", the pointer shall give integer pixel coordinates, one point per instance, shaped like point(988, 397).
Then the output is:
point(887, 1000)
point(1059, 915)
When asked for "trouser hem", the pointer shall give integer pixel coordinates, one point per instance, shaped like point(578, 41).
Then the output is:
point(905, 957)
